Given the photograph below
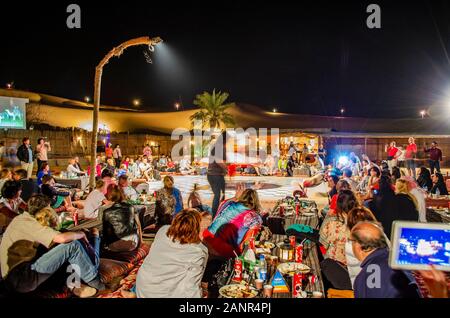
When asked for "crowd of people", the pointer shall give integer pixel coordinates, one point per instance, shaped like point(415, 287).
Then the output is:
point(193, 242)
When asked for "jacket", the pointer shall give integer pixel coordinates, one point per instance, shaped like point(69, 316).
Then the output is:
point(23, 155)
point(52, 193)
point(389, 284)
point(118, 222)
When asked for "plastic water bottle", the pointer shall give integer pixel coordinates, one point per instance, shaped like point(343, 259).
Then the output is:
point(262, 268)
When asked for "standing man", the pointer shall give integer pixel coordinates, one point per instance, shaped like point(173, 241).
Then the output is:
point(217, 170)
point(410, 157)
point(322, 152)
point(435, 157)
point(109, 151)
point(393, 154)
point(25, 155)
point(42, 148)
point(117, 154)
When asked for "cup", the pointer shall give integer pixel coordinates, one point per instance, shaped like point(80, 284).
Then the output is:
point(259, 284)
point(317, 294)
point(268, 290)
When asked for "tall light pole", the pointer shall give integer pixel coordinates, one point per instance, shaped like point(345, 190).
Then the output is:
point(117, 51)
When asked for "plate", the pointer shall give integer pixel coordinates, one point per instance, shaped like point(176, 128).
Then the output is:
point(291, 268)
point(266, 245)
point(237, 291)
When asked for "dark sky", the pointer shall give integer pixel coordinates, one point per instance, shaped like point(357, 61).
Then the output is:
point(313, 58)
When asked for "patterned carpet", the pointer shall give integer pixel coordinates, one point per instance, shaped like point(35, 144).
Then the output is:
point(270, 189)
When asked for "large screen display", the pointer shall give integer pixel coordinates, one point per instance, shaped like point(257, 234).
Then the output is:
point(13, 113)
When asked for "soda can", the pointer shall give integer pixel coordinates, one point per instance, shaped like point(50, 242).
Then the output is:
point(75, 218)
point(297, 285)
point(251, 243)
point(293, 240)
point(312, 279)
point(281, 210)
point(299, 253)
point(237, 277)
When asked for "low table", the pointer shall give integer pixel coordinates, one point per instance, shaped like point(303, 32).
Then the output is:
point(78, 183)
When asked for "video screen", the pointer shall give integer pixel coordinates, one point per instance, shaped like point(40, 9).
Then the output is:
point(424, 247)
point(12, 113)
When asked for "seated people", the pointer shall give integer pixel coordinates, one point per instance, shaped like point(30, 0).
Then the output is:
point(356, 215)
point(59, 199)
point(110, 167)
point(129, 192)
point(146, 169)
point(29, 187)
point(195, 201)
point(121, 227)
point(45, 170)
point(11, 204)
point(370, 247)
point(24, 268)
point(232, 222)
point(292, 161)
point(108, 178)
point(185, 166)
point(171, 167)
point(439, 186)
point(347, 176)
point(77, 164)
point(424, 179)
point(122, 170)
point(133, 169)
point(408, 186)
point(5, 175)
point(168, 202)
point(95, 199)
point(73, 170)
point(162, 163)
point(282, 165)
point(334, 231)
point(177, 260)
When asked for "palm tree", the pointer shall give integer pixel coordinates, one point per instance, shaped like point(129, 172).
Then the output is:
point(213, 110)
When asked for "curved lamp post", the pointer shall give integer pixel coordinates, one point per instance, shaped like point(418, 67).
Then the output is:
point(117, 51)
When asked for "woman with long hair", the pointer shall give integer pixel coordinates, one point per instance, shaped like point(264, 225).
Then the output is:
point(334, 232)
point(424, 179)
point(439, 186)
point(175, 266)
point(169, 201)
point(233, 220)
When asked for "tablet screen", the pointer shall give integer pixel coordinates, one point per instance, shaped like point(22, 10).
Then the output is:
point(419, 246)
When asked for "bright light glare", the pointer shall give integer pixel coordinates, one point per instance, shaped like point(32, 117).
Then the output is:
point(343, 160)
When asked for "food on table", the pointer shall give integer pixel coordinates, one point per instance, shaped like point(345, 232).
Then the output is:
point(292, 268)
point(238, 291)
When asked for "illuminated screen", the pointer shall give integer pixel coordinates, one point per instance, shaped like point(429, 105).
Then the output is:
point(424, 247)
point(13, 113)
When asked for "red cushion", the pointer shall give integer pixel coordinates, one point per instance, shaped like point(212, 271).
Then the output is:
point(132, 257)
point(110, 269)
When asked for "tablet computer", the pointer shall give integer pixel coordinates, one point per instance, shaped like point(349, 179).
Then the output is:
point(415, 246)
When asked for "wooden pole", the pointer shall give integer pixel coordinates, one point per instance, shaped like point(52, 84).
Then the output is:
point(117, 51)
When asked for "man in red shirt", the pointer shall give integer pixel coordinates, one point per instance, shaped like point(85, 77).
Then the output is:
point(435, 157)
point(410, 157)
point(393, 154)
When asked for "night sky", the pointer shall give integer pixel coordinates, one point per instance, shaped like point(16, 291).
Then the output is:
point(307, 58)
